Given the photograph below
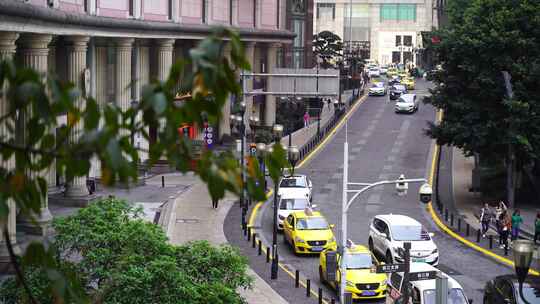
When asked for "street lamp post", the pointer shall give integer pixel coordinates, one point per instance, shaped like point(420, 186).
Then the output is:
point(238, 121)
point(425, 196)
point(278, 132)
point(523, 251)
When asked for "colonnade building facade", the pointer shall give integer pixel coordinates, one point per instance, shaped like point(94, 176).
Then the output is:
point(112, 48)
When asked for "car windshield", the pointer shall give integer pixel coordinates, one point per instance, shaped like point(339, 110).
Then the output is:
point(455, 296)
point(531, 293)
point(293, 204)
point(312, 223)
point(374, 69)
point(399, 88)
point(359, 261)
point(403, 100)
point(293, 183)
point(377, 85)
point(407, 233)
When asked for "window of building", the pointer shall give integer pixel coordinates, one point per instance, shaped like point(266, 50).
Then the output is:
point(398, 12)
point(358, 20)
point(231, 12)
point(131, 9)
point(298, 29)
point(398, 40)
point(407, 40)
point(204, 11)
point(170, 11)
point(326, 11)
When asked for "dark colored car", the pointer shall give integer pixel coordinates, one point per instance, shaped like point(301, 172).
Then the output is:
point(394, 80)
point(505, 290)
point(397, 90)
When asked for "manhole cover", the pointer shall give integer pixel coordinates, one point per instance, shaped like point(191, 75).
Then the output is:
point(187, 221)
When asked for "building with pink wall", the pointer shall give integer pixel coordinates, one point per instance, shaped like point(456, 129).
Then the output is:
point(119, 46)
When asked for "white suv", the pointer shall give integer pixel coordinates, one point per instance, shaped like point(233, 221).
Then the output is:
point(388, 232)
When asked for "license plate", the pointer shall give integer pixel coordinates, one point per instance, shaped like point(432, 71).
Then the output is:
point(419, 260)
point(368, 293)
point(316, 248)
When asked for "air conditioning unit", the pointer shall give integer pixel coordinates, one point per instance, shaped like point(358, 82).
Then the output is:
point(52, 3)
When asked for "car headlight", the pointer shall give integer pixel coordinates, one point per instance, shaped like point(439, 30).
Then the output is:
point(298, 240)
point(349, 283)
point(434, 251)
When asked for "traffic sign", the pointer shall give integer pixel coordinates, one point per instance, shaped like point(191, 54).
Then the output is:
point(389, 268)
point(424, 275)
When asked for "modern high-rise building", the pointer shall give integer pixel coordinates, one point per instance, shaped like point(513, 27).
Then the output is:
point(383, 30)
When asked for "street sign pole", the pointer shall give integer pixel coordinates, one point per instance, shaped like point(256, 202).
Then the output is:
point(441, 289)
point(405, 285)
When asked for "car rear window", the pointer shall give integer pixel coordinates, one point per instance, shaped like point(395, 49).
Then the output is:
point(293, 204)
point(293, 182)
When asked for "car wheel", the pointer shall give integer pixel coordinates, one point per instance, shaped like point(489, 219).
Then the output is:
point(388, 258)
point(370, 245)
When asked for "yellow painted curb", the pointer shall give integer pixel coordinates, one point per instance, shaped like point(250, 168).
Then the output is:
point(449, 231)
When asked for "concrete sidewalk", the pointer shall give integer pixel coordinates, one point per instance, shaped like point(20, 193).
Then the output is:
point(191, 217)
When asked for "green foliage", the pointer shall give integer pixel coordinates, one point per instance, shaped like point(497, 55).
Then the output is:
point(486, 38)
point(33, 108)
point(328, 47)
point(122, 259)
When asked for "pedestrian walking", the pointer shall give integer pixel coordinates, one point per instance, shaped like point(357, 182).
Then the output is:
point(506, 225)
point(516, 222)
point(215, 202)
point(501, 206)
point(485, 218)
point(537, 227)
point(306, 120)
point(329, 102)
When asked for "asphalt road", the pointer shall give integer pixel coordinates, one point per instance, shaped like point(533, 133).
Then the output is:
point(383, 145)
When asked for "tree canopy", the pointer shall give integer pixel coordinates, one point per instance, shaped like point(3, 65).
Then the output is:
point(328, 47)
point(122, 259)
point(484, 39)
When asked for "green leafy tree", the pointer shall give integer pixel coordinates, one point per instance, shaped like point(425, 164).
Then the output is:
point(328, 47)
point(123, 259)
point(484, 39)
point(105, 134)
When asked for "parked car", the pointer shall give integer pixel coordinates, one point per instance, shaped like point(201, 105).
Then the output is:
point(424, 291)
point(362, 283)
point(505, 290)
point(377, 89)
point(308, 232)
point(374, 72)
point(288, 204)
point(388, 232)
point(295, 186)
point(396, 91)
point(407, 103)
point(383, 69)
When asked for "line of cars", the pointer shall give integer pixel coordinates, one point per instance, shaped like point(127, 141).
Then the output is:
point(308, 232)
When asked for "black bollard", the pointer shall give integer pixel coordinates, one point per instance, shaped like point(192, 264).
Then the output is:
point(467, 229)
point(254, 240)
point(308, 288)
point(478, 236)
point(459, 225)
point(452, 220)
point(320, 295)
point(260, 248)
point(505, 249)
point(333, 301)
point(297, 278)
point(446, 215)
point(163, 181)
point(491, 242)
point(267, 254)
point(249, 234)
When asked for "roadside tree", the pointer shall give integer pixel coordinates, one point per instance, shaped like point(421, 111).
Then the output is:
point(328, 47)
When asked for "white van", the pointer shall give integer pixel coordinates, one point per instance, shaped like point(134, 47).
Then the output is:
point(423, 292)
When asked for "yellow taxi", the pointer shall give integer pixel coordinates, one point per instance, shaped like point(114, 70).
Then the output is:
point(308, 232)
point(408, 82)
point(362, 281)
point(402, 74)
point(391, 72)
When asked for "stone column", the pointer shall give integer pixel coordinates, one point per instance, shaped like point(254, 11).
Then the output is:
point(124, 47)
point(270, 104)
point(225, 121)
point(51, 70)
point(7, 51)
point(100, 76)
point(34, 51)
point(250, 54)
point(164, 52)
point(76, 64)
point(142, 78)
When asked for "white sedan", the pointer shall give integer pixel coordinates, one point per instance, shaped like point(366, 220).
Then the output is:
point(407, 103)
point(374, 72)
point(295, 186)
